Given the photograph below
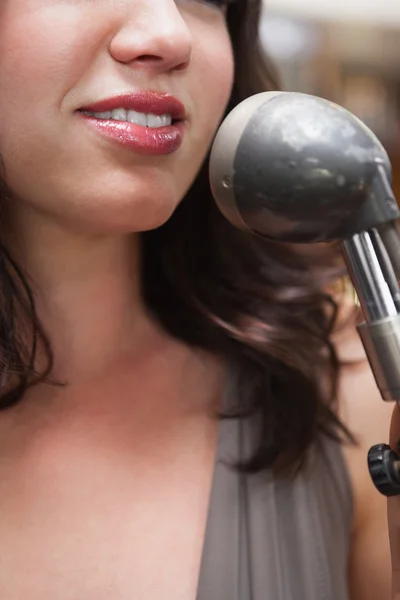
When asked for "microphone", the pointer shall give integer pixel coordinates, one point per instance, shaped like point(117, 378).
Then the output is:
point(297, 168)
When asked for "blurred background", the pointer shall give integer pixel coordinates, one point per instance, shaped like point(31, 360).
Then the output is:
point(347, 51)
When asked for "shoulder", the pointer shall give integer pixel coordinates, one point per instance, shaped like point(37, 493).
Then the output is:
point(360, 404)
point(368, 417)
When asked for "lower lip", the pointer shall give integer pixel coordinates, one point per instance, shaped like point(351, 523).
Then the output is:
point(144, 140)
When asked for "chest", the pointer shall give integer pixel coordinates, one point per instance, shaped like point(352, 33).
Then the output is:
point(84, 519)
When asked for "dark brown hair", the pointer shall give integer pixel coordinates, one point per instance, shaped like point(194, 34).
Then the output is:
point(260, 305)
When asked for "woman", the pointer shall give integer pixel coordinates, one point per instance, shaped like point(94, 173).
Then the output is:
point(132, 314)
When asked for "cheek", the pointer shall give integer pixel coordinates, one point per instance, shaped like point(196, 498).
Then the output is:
point(43, 53)
point(214, 68)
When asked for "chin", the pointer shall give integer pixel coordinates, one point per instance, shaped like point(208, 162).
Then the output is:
point(108, 205)
point(120, 215)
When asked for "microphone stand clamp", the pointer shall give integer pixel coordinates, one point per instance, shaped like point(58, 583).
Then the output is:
point(384, 468)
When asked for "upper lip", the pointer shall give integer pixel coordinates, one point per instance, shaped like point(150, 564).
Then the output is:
point(145, 102)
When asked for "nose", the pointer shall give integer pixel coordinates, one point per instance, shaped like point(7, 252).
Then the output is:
point(154, 36)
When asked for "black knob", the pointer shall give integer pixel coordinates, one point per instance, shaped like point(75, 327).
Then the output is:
point(384, 468)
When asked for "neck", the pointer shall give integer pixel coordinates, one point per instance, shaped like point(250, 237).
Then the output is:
point(87, 293)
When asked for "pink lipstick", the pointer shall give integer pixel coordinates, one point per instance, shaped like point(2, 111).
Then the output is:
point(145, 122)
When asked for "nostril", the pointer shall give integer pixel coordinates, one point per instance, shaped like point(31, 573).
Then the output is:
point(149, 57)
point(184, 64)
point(148, 60)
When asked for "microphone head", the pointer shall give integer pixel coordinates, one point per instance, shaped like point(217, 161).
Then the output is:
point(293, 167)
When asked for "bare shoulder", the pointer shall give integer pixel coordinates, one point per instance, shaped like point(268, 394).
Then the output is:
point(368, 417)
point(361, 405)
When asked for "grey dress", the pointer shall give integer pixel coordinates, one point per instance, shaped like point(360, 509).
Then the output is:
point(269, 539)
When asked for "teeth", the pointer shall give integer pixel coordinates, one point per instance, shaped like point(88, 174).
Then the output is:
point(167, 120)
point(132, 116)
point(103, 115)
point(119, 114)
point(137, 117)
point(156, 121)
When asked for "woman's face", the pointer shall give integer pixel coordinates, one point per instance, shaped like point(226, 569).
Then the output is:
point(115, 171)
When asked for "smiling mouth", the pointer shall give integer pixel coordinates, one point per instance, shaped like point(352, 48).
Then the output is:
point(148, 120)
point(144, 122)
point(146, 109)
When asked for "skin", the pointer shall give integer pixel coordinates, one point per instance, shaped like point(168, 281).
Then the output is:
point(83, 197)
point(89, 473)
point(95, 468)
point(368, 417)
